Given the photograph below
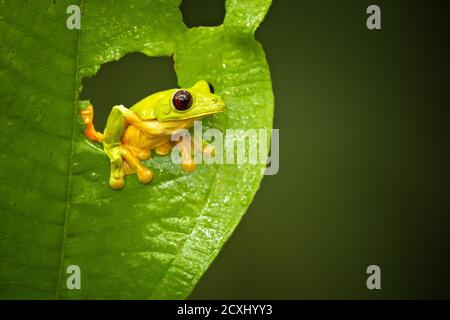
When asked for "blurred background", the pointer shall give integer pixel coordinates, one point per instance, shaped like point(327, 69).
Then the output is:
point(364, 179)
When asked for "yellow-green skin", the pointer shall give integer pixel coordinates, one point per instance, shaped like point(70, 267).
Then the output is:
point(131, 134)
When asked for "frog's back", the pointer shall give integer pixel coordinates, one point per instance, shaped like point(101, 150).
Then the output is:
point(150, 107)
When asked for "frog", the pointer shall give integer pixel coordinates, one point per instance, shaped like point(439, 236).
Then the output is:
point(132, 134)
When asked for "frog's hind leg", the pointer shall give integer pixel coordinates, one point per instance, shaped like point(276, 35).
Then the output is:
point(88, 118)
point(145, 175)
point(141, 154)
point(112, 145)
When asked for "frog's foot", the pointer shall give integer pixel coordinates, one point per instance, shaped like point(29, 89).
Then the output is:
point(88, 118)
point(145, 175)
point(164, 149)
point(116, 180)
point(206, 148)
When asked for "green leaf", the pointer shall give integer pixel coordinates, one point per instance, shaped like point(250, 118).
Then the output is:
point(56, 207)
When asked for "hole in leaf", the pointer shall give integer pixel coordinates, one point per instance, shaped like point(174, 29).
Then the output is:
point(203, 12)
point(127, 81)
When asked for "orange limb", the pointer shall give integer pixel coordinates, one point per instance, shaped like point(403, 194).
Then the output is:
point(88, 118)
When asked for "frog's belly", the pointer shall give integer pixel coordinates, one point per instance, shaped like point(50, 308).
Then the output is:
point(136, 138)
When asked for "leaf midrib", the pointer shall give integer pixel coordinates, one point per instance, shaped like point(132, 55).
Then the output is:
point(69, 180)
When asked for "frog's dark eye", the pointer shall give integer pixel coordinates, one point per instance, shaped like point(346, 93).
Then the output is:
point(211, 88)
point(182, 100)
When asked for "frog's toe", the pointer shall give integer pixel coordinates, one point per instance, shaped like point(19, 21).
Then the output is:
point(127, 168)
point(188, 166)
point(209, 151)
point(144, 154)
point(164, 149)
point(145, 175)
point(116, 183)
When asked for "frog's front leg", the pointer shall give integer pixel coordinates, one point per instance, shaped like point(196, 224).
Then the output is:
point(88, 118)
point(164, 149)
point(205, 148)
point(187, 148)
point(187, 161)
point(118, 119)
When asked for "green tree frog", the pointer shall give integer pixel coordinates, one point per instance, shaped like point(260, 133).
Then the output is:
point(131, 134)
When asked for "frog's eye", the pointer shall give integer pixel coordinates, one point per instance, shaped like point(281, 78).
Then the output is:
point(182, 100)
point(211, 88)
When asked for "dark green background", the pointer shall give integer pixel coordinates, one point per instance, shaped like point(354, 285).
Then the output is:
point(363, 118)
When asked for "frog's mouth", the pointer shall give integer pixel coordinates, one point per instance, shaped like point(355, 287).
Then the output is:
point(217, 109)
point(221, 109)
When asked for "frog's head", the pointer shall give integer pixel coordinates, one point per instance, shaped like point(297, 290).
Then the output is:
point(195, 102)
